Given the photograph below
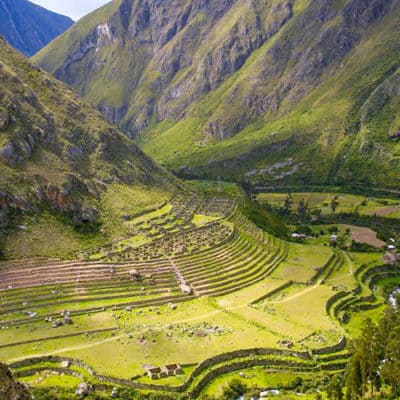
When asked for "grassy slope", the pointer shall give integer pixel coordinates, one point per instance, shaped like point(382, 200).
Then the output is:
point(337, 125)
point(319, 120)
point(53, 123)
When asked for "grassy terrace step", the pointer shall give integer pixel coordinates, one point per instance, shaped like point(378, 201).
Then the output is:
point(190, 263)
point(76, 266)
point(242, 269)
point(334, 262)
point(75, 305)
point(191, 268)
point(247, 226)
point(237, 284)
point(88, 272)
point(201, 270)
point(34, 305)
point(115, 305)
point(231, 261)
point(42, 292)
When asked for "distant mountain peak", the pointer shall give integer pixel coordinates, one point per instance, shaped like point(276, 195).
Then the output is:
point(28, 27)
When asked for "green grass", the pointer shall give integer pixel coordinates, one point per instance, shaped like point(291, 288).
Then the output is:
point(257, 316)
point(348, 203)
point(44, 380)
point(48, 235)
point(256, 377)
point(302, 262)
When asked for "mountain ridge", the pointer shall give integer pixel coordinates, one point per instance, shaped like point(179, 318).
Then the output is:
point(58, 155)
point(240, 90)
point(28, 27)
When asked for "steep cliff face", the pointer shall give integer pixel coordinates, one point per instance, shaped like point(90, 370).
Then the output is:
point(57, 152)
point(201, 84)
point(157, 58)
point(10, 389)
point(29, 27)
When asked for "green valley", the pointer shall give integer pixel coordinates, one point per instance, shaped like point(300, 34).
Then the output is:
point(201, 200)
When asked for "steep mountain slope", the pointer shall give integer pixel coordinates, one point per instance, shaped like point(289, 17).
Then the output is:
point(290, 91)
point(59, 156)
point(29, 27)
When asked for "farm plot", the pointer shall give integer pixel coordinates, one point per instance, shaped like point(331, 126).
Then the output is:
point(299, 311)
point(347, 203)
point(363, 235)
point(303, 262)
point(219, 291)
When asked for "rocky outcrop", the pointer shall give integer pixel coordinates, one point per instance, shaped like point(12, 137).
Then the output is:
point(186, 50)
point(57, 153)
point(10, 389)
point(227, 67)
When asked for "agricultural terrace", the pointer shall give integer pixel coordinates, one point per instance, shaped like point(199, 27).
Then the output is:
point(194, 295)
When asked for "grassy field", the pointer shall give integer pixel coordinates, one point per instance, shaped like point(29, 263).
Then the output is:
point(302, 262)
point(348, 203)
point(255, 377)
point(252, 291)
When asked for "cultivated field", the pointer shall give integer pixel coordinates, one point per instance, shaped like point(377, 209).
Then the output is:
point(347, 203)
point(196, 284)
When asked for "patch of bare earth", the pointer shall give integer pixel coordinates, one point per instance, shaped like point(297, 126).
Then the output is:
point(365, 235)
point(388, 210)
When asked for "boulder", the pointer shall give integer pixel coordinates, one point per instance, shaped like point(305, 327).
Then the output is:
point(83, 389)
point(186, 289)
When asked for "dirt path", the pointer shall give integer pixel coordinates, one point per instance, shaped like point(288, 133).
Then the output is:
point(351, 270)
point(387, 210)
point(303, 292)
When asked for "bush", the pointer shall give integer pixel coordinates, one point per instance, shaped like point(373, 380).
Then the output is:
point(234, 390)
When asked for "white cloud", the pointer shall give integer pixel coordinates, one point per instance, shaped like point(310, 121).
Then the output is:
point(73, 8)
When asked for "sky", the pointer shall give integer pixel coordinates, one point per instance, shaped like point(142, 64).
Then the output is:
point(73, 8)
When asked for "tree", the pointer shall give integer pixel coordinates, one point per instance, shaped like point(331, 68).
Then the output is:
point(334, 390)
point(354, 379)
point(376, 356)
point(391, 367)
point(302, 210)
point(234, 390)
point(334, 204)
point(287, 204)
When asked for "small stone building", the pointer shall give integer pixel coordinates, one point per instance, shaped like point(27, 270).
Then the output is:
point(173, 370)
point(153, 372)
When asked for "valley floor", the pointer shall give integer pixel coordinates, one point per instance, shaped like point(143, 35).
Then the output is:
point(198, 285)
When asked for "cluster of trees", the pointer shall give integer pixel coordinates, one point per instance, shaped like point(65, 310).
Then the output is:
point(303, 208)
point(234, 390)
point(376, 358)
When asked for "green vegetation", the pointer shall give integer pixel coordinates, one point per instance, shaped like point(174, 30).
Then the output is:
point(376, 358)
point(346, 203)
point(67, 177)
point(264, 313)
point(205, 102)
point(120, 278)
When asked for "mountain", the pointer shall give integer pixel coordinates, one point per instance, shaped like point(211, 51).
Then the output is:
point(273, 92)
point(11, 389)
point(63, 167)
point(29, 27)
